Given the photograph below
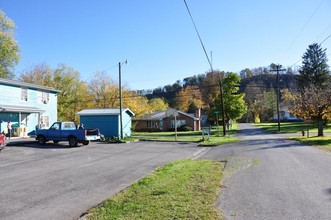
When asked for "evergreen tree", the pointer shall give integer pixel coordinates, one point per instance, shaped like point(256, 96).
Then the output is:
point(314, 70)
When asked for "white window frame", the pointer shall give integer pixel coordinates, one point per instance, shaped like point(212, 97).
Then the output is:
point(24, 94)
point(151, 124)
point(44, 121)
point(43, 96)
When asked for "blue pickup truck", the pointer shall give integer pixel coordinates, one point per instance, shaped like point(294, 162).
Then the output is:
point(67, 131)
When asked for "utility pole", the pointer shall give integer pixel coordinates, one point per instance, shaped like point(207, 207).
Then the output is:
point(120, 94)
point(222, 107)
point(120, 91)
point(278, 94)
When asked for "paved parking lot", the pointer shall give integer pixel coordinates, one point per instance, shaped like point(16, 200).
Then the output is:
point(58, 182)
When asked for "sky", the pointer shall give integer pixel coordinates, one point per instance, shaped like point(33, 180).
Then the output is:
point(158, 39)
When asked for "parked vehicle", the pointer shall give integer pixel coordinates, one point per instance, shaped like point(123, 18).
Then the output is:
point(67, 131)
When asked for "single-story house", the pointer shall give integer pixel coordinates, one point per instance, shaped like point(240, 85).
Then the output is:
point(284, 115)
point(159, 121)
point(27, 106)
point(107, 120)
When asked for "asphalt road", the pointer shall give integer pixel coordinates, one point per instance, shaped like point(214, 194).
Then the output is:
point(269, 177)
point(57, 182)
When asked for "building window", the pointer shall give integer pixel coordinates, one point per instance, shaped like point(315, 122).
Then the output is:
point(24, 94)
point(179, 123)
point(44, 121)
point(43, 96)
point(151, 124)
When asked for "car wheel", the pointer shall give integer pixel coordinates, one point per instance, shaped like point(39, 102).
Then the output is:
point(41, 140)
point(73, 142)
point(86, 142)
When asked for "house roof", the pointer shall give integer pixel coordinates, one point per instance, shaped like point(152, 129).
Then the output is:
point(104, 111)
point(15, 108)
point(28, 85)
point(160, 115)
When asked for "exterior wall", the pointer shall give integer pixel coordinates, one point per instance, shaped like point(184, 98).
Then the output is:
point(107, 124)
point(189, 121)
point(285, 116)
point(127, 125)
point(141, 125)
point(11, 95)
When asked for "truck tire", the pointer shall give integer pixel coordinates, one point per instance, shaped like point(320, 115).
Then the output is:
point(73, 142)
point(41, 139)
point(86, 142)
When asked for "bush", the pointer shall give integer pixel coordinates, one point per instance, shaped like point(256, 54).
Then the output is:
point(185, 128)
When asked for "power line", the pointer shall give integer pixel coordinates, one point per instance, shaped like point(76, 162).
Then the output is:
point(319, 44)
point(323, 32)
point(303, 28)
point(196, 30)
point(325, 39)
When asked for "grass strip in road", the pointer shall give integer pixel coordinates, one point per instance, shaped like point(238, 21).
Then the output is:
point(216, 141)
point(320, 142)
point(185, 189)
point(216, 137)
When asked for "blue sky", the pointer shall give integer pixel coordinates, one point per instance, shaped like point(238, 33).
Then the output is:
point(158, 38)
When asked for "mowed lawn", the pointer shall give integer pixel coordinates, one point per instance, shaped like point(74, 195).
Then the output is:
point(297, 127)
point(186, 189)
point(215, 138)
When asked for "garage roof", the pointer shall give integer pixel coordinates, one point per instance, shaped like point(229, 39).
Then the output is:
point(104, 111)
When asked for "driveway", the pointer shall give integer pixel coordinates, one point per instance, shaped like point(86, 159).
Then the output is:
point(270, 177)
point(57, 182)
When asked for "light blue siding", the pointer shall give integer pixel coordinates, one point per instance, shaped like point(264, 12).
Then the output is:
point(107, 124)
point(127, 124)
point(11, 95)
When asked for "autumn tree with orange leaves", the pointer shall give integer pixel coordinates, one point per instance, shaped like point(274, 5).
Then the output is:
point(311, 97)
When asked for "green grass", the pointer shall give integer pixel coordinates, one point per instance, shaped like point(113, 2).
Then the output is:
point(321, 142)
point(296, 127)
point(185, 189)
point(290, 127)
point(182, 136)
point(217, 140)
point(216, 137)
point(285, 127)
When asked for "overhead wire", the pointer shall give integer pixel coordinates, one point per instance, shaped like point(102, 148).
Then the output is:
point(325, 39)
point(303, 28)
point(326, 29)
point(196, 30)
point(319, 44)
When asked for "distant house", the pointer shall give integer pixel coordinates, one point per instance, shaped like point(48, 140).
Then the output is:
point(27, 106)
point(284, 115)
point(108, 121)
point(159, 121)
